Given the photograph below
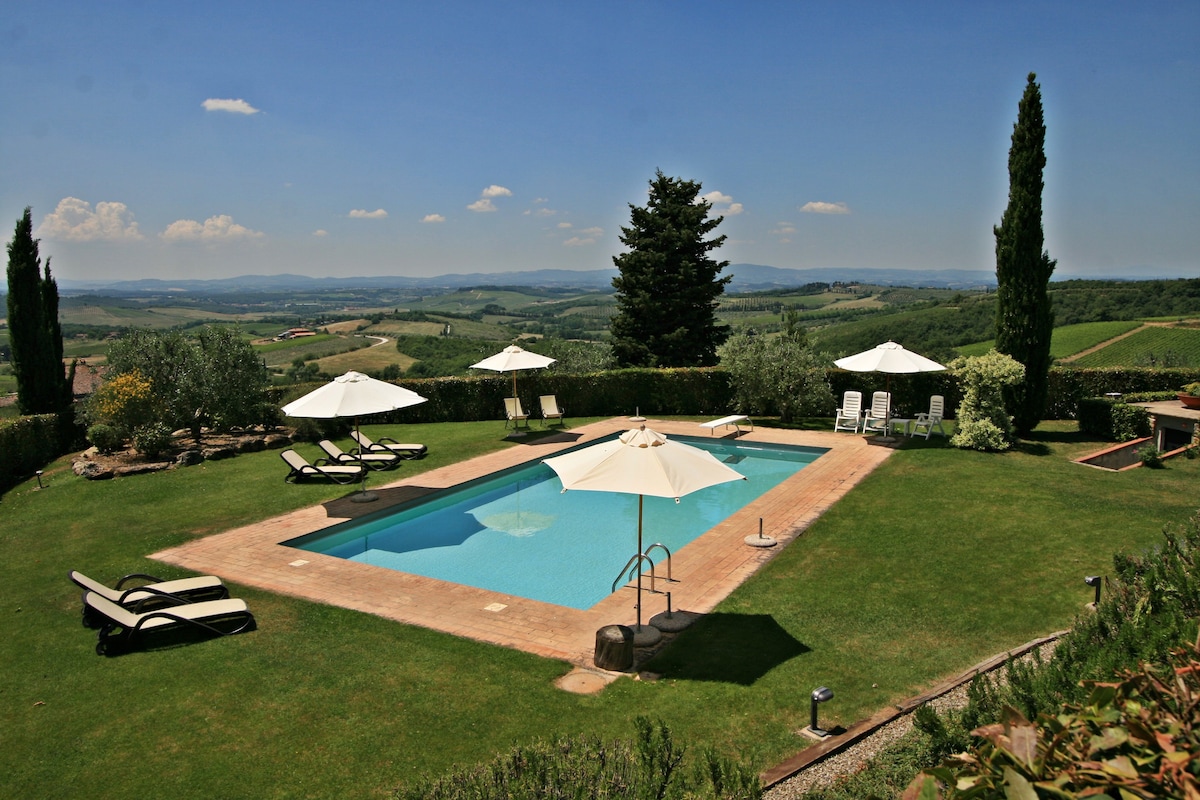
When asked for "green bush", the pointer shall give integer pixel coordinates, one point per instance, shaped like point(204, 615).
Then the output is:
point(107, 438)
point(1134, 738)
point(152, 440)
point(29, 443)
point(648, 768)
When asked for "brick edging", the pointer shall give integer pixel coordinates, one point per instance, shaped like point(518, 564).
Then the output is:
point(864, 728)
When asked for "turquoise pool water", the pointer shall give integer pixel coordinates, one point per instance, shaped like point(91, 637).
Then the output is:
point(518, 533)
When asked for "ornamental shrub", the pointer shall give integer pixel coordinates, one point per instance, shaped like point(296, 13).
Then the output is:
point(126, 401)
point(107, 438)
point(983, 422)
point(152, 440)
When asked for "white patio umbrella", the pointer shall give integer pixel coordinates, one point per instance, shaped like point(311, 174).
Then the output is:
point(513, 359)
point(353, 395)
point(891, 359)
point(642, 462)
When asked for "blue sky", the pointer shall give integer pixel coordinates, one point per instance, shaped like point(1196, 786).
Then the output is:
point(211, 140)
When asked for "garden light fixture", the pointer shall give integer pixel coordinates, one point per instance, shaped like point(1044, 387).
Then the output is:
point(1094, 581)
point(819, 695)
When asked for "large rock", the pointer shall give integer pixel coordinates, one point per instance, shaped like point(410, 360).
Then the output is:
point(91, 470)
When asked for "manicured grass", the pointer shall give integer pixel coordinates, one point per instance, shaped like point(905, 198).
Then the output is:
point(937, 560)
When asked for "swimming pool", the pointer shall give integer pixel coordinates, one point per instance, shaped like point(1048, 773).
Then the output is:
point(517, 533)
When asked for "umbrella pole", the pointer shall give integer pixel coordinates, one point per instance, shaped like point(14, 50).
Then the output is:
point(363, 495)
point(639, 565)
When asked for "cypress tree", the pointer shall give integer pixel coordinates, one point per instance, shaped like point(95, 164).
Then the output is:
point(668, 288)
point(1024, 316)
point(34, 333)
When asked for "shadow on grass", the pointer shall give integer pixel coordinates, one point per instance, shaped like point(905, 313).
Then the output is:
point(729, 648)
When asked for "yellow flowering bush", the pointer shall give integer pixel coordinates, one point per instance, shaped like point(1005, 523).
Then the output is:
point(126, 401)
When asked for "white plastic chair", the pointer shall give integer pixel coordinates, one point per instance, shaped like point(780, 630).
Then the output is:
point(514, 413)
point(850, 412)
point(937, 407)
point(550, 409)
point(878, 418)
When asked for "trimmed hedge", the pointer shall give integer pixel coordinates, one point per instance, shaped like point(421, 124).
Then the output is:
point(707, 391)
point(654, 391)
point(1069, 386)
point(1111, 419)
point(26, 445)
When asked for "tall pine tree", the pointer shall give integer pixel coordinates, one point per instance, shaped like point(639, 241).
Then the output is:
point(667, 289)
point(1024, 316)
point(34, 333)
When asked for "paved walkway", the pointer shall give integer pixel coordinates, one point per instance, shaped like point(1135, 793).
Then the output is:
point(707, 570)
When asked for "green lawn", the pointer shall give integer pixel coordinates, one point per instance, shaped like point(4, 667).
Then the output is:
point(937, 560)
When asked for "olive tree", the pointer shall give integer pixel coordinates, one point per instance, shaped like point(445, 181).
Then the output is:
point(776, 374)
point(215, 379)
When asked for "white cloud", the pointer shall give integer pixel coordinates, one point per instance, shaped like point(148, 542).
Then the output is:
point(320, 232)
point(75, 220)
point(362, 213)
point(537, 201)
point(584, 237)
point(784, 229)
point(817, 207)
point(544, 212)
point(433, 218)
point(565, 226)
point(220, 228)
point(723, 204)
point(231, 106)
point(484, 204)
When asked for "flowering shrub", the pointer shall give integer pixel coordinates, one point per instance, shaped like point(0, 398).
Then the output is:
point(124, 401)
point(983, 422)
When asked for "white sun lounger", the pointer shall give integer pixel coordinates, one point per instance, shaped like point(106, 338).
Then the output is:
point(157, 592)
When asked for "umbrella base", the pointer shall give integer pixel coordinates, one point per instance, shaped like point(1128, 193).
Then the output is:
point(673, 622)
point(364, 497)
point(646, 635)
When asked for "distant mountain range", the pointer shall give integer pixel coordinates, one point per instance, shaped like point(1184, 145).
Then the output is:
point(746, 278)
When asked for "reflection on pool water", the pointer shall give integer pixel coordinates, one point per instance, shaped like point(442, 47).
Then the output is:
point(516, 531)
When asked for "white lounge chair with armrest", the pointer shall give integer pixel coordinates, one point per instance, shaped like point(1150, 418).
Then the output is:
point(878, 417)
point(849, 416)
point(122, 627)
point(551, 409)
point(385, 445)
point(931, 420)
point(514, 413)
point(321, 468)
point(155, 592)
point(337, 455)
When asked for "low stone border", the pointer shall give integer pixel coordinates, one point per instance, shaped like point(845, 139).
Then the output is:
point(96, 466)
point(863, 729)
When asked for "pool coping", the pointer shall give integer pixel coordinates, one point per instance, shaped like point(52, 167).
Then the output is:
point(706, 570)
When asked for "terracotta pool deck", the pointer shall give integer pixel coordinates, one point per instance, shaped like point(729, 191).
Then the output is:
point(705, 571)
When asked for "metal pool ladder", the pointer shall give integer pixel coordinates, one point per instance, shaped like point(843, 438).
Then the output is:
point(634, 563)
